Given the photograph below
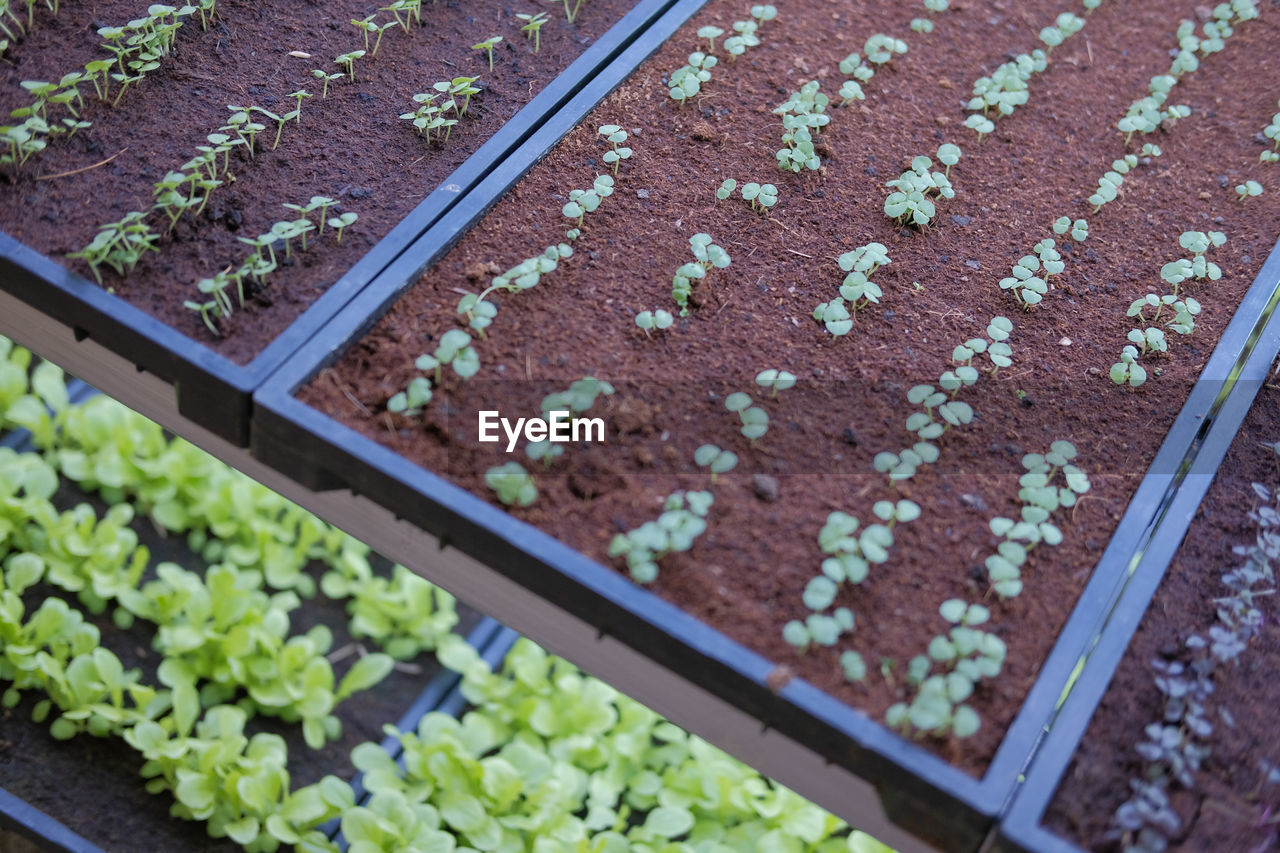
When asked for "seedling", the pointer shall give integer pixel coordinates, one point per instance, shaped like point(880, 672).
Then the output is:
point(489, 44)
point(715, 460)
point(1248, 189)
point(298, 96)
point(1127, 371)
point(455, 350)
point(582, 202)
point(763, 13)
point(775, 380)
point(348, 61)
point(761, 196)
point(327, 78)
point(650, 320)
point(755, 420)
point(979, 123)
point(512, 483)
point(850, 91)
point(341, 221)
point(909, 202)
point(921, 25)
point(710, 33)
point(1079, 229)
point(407, 8)
point(949, 155)
point(279, 120)
point(532, 27)
point(880, 48)
point(1005, 90)
point(458, 87)
point(615, 136)
point(682, 521)
point(686, 81)
point(478, 312)
point(118, 245)
point(413, 399)
point(726, 188)
point(707, 255)
point(570, 14)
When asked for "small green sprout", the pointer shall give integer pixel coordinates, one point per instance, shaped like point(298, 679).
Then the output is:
point(280, 121)
point(850, 91)
point(921, 25)
point(755, 420)
point(909, 202)
point(761, 196)
point(853, 667)
point(412, 400)
point(682, 521)
point(710, 33)
point(775, 380)
point(880, 48)
point(348, 61)
point(615, 136)
point(342, 221)
point(455, 350)
point(726, 188)
point(488, 45)
point(707, 255)
point(715, 460)
point(650, 320)
point(686, 81)
point(949, 155)
point(298, 96)
point(582, 202)
point(1248, 189)
point(512, 483)
point(763, 13)
point(327, 78)
point(532, 27)
point(1079, 229)
point(1127, 370)
point(980, 123)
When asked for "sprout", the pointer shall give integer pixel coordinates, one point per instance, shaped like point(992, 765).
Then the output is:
point(761, 196)
point(726, 188)
point(615, 136)
point(715, 460)
point(707, 255)
point(1247, 189)
point(348, 61)
point(755, 420)
point(342, 221)
point(710, 33)
point(488, 45)
point(327, 78)
point(682, 521)
point(512, 483)
point(980, 123)
point(775, 380)
point(948, 155)
point(1079, 229)
point(1127, 370)
point(532, 27)
point(650, 320)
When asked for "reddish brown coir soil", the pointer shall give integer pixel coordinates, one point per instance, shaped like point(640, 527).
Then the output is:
point(94, 785)
point(1229, 807)
point(351, 146)
point(745, 576)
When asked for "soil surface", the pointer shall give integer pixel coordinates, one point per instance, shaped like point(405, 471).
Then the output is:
point(1229, 808)
point(93, 785)
point(351, 146)
point(745, 576)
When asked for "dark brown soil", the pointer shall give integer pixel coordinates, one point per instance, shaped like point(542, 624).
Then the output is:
point(1229, 806)
point(746, 574)
point(93, 785)
point(351, 146)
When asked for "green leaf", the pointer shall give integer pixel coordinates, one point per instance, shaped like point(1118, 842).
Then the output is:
point(669, 822)
point(364, 673)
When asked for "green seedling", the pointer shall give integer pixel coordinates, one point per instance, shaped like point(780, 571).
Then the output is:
point(412, 400)
point(1079, 229)
point(455, 350)
point(850, 91)
point(487, 46)
point(755, 420)
point(1127, 371)
point(403, 11)
point(478, 312)
point(909, 201)
point(803, 114)
point(512, 483)
point(979, 123)
point(348, 61)
point(921, 25)
point(763, 13)
point(880, 48)
point(761, 196)
point(1247, 190)
point(715, 460)
point(651, 320)
point(775, 380)
point(726, 188)
point(686, 81)
point(710, 33)
point(707, 255)
point(458, 87)
point(118, 245)
point(615, 136)
point(532, 27)
point(298, 96)
point(280, 121)
point(582, 202)
point(327, 78)
point(682, 521)
point(341, 221)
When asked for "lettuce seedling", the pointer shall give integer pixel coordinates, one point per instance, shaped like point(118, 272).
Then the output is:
point(512, 483)
point(615, 136)
point(686, 81)
point(582, 202)
point(487, 46)
point(413, 399)
point(726, 188)
point(1079, 229)
point(850, 91)
point(880, 48)
point(755, 420)
point(979, 123)
point(761, 196)
point(715, 460)
point(1247, 190)
point(909, 201)
point(650, 320)
point(682, 521)
point(478, 312)
point(707, 255)
point(763, 13)
point(1127, 370)
point(775, 380)
point(710, 33)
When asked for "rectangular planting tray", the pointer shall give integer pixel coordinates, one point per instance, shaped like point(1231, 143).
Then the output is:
point(1225, 393)
point(590, 614)
point(177, 380)
point(20, 819)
